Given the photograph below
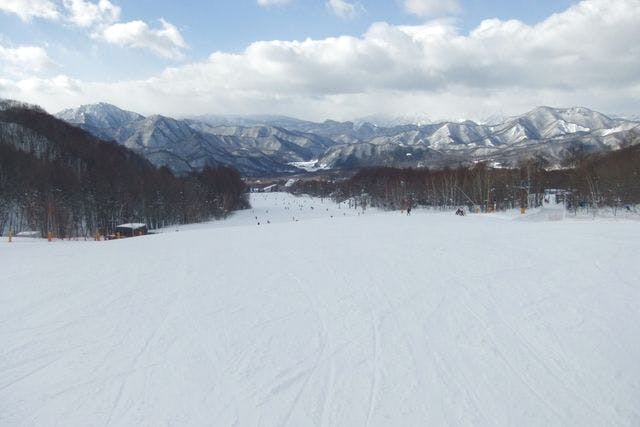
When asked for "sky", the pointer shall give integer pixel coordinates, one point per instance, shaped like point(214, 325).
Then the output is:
point(323, 59)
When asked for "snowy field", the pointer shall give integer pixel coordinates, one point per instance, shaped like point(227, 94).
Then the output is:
point(326, 317)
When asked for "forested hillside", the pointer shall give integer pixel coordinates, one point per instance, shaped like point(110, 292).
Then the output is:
point(57, 178)
point(604, 179)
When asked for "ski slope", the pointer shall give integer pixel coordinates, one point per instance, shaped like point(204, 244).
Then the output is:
point(326, 316)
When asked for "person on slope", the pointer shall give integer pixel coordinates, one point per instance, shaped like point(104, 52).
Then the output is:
point(409, 203)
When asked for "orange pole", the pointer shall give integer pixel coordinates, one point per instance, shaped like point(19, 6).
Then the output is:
point(49, 236)
point(10, 236)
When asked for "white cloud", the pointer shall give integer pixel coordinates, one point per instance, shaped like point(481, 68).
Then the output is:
point(165, 41)
point(101, 18)
point(585, 55)
point(344, 9)
point(265, 3)
point(24, 60)
point(87, 14)
point(431, 7)
point(27, 9)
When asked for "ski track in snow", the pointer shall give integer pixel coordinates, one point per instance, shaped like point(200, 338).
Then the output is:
point(325, 315)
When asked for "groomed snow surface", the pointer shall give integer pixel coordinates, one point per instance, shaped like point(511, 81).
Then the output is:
point(351, 320)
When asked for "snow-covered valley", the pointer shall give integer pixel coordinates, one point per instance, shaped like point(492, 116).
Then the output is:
point(324, 315)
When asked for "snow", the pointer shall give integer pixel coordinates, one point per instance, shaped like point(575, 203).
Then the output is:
point(357, 319)
point(28, 234)
point(133, 225)
point(309, 166)
point(270, 188)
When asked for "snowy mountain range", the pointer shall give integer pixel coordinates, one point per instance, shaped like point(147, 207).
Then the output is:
point(263, 145)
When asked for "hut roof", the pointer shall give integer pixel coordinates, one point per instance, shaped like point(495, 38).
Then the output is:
point(132, 225)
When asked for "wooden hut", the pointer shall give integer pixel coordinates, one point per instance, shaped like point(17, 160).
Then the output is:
point(132, 229)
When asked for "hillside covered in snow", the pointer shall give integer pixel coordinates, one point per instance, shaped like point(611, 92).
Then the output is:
point(301, 311)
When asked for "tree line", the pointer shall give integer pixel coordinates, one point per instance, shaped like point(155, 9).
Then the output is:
point(600, 180)
point(56, 178)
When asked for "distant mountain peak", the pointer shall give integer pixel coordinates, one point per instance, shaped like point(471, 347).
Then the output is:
point(102, 112)
point(418, 119)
